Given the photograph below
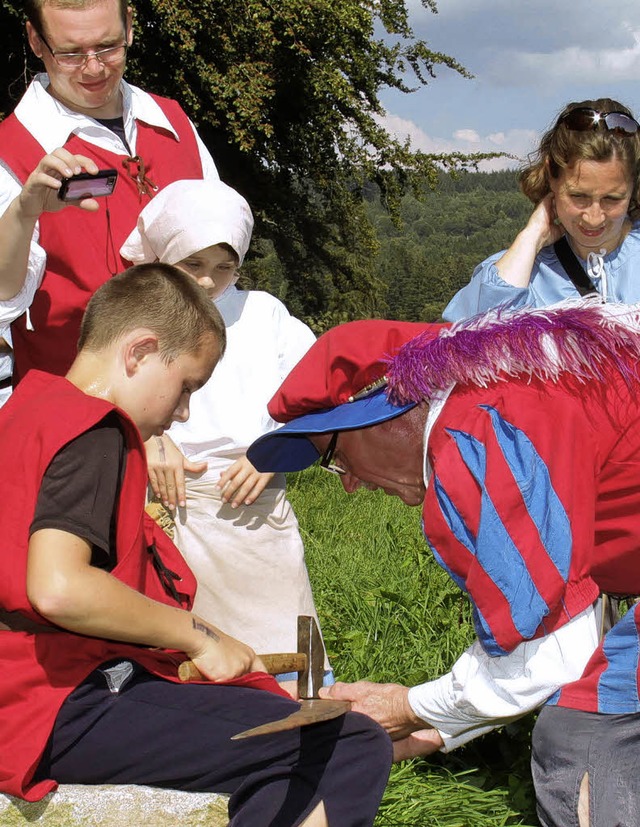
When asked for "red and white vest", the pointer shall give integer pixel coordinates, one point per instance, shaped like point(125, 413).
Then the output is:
point(82, 247)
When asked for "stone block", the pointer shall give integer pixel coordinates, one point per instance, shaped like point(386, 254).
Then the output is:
point(78, 805)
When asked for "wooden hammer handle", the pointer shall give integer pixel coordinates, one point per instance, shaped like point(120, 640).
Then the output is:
point(273, 664)
point(282, 662)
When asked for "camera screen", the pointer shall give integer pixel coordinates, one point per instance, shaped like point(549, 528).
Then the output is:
point(90, 188)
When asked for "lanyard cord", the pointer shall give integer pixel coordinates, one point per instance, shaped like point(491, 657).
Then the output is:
point(136, 169)
point(111, 256)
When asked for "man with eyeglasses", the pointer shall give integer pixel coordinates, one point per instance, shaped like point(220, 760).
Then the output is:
point(520, 438)
point(80, 115)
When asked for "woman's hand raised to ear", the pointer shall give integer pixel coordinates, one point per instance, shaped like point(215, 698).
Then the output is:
point(516, 264)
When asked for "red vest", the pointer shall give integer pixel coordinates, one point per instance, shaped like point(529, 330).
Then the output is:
point(83, 248)
point(40, 670)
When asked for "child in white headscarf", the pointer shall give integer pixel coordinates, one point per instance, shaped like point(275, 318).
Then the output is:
point(234, 526)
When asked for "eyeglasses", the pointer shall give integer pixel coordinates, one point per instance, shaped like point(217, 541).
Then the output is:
point(110, 56)
point(584, 119)
point(326, 459)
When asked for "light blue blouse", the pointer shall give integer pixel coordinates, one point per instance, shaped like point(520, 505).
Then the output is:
point(549, 283)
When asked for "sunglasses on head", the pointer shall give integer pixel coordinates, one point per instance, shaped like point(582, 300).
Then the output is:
point(584, 119)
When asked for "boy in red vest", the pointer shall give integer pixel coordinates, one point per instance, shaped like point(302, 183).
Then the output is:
point(96, 599)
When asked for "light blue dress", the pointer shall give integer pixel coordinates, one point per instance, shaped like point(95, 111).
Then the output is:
point(549, 282)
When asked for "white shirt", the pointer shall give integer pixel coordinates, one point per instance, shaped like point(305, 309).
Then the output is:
point(51, 123)
point(482, 692)
point(264, 342)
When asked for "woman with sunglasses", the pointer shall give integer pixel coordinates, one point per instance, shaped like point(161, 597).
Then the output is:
point(582, 235)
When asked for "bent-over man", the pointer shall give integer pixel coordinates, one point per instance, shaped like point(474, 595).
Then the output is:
point(520, 438)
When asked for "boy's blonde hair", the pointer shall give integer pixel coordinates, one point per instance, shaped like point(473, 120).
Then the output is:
point(158, 297)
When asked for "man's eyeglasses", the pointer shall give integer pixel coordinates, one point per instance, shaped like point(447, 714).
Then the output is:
point(584, 119)
point(110, 56)
point(326, 460)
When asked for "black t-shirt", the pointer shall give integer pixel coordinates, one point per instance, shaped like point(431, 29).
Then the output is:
point(80, 488)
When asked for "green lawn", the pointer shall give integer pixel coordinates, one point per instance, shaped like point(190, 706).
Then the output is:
point(390, 614)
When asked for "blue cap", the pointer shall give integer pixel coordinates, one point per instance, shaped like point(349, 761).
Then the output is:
point(289, 449)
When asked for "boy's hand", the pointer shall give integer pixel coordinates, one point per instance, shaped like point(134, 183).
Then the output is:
point(166, 466)
point(242, 483)
point(220, 657)
point(40, 191)
point(67, 590)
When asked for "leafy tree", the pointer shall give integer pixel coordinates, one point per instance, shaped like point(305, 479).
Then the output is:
point(431, 254)
point(286, 95)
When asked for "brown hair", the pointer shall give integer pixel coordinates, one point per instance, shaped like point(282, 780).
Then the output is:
point(33, 9)
point(244, 282)
point(562, 147)
point(156, 296)
point(229, 249)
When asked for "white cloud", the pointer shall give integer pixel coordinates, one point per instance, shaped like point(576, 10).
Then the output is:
point(515, 142)
point(574, 64)
point(469, 135)
point(529, 58)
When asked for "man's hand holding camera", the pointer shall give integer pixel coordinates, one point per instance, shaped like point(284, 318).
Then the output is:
point(40, 191)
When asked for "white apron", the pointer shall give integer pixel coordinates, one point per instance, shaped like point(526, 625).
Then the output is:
point(249, 564)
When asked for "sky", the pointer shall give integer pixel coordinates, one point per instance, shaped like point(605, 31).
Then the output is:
point(529, 58)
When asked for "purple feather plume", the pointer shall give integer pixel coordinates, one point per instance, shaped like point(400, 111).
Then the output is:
point(578, 336)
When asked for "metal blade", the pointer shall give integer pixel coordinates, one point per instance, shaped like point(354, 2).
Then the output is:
point(311, 712)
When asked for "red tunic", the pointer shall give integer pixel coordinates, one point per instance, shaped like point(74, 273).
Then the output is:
point(83, 248)
point(40, 670)
point(534, 499)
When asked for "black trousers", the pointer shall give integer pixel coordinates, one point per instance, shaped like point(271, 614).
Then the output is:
point(162, 734)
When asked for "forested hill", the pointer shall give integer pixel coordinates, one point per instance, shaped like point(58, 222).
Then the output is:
point(426, 257)
point(422, 258)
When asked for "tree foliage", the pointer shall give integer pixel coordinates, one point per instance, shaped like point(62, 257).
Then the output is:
point(286, 95)
point(426, 257)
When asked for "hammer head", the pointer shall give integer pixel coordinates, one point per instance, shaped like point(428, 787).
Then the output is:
point(310, 712)
point(310, 643)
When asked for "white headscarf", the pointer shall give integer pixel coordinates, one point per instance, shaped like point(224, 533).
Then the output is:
point(188, 216)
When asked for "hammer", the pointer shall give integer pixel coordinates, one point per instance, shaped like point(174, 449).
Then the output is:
point(308, 661)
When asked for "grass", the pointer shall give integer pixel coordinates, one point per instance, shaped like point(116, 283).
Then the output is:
point(390, 614)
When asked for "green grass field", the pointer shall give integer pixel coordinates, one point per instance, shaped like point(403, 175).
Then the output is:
point(390, 614)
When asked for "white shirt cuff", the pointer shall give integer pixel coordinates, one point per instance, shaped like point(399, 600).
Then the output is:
point(482, 692)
